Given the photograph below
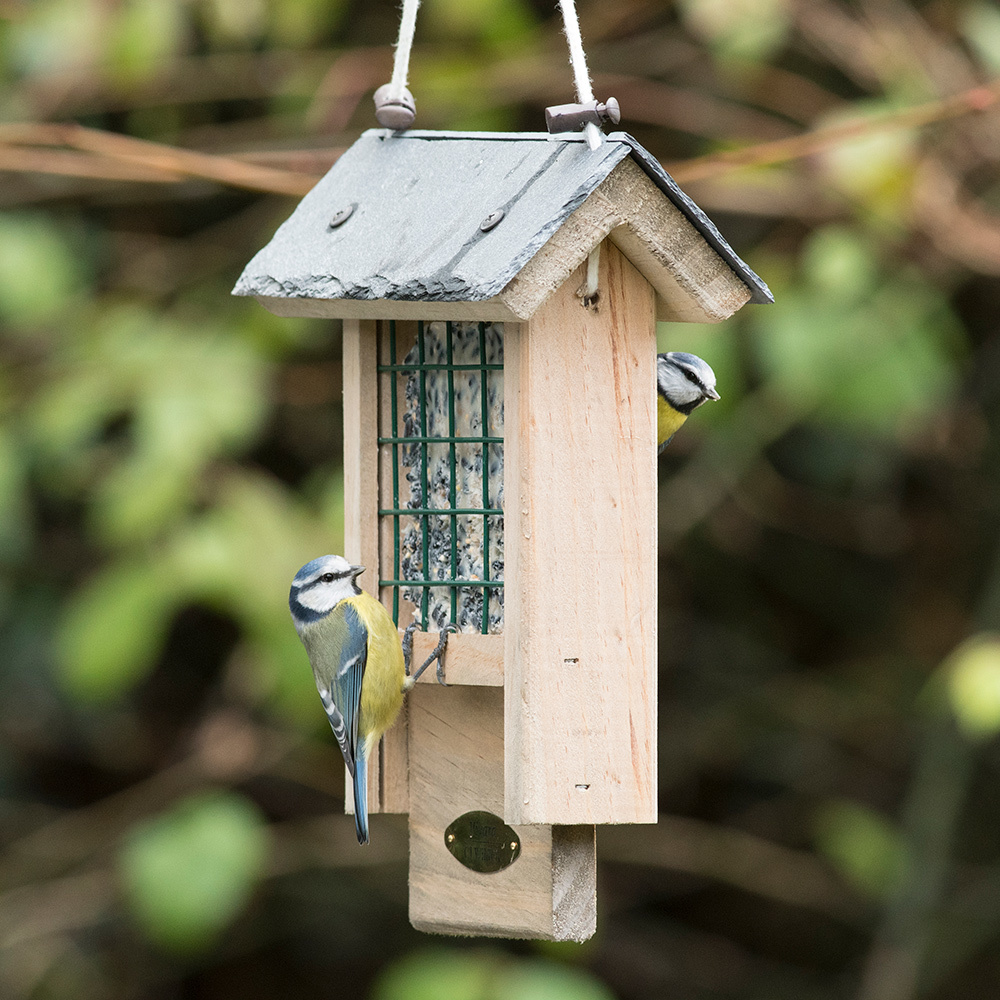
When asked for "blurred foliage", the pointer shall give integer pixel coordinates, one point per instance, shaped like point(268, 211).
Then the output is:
point(973, 677)
point(170, 796)
point(189, 872)
point(472, 975)
point(862, 845)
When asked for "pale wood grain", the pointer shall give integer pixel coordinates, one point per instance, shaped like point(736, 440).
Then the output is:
point(456, 754)
point(692, 282)
point(580, 550)
point(470, 658)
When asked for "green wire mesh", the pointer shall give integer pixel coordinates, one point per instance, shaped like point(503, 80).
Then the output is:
point(445, 443)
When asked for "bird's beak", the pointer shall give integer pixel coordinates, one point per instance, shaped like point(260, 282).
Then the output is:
point(712, 394)
point(356, 571)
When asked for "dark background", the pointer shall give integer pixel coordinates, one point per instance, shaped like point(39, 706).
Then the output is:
point(170, 796)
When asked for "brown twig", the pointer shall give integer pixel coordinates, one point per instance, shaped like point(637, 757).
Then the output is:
point(151, 161)
point(167, 160)
point(782, 150)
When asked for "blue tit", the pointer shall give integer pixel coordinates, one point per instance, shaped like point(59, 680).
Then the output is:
point(683, 383)
point(357, 660)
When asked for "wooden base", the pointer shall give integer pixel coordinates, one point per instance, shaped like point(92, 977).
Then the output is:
point(456, 766)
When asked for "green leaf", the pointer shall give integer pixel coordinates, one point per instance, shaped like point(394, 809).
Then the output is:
point(436, 975)
point(112, 629)
point(861, 349)
point(39, 273)
point(64, 33)
point(240, 558)
point(189, 872)
point(550, 981)
point(484, 975)
point(15, 517)
point(147, 32)
point(874, 169)
point(496, 22)
point(235, 20)
point(864, 846)
point(839, 264)
point(973, 685)
point(304, 22)
point(750, 30)
point(980, 25)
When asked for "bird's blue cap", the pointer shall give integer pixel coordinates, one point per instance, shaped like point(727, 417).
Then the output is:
point(309, 569)
point(688, 359)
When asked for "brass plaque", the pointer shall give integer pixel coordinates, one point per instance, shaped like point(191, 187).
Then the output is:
point(482, 841)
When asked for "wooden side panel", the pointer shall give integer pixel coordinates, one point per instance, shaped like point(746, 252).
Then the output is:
point(469, 659)
point(388, 789)
point(580, 549)
point(456, 754)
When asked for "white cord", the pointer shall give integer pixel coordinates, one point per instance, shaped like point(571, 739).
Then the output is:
point(593, 270)
point(578, 60)
point(401, 62)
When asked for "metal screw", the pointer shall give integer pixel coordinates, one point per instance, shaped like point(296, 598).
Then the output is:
point(396, 113)
point(491, 220)
point(342, 216)
point(513, 845)
point(451, 838)
point(572, 117)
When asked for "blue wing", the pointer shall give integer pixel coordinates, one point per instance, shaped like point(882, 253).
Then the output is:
point(347, 643)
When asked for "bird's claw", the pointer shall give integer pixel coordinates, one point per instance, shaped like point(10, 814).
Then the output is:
point(407, 645)
point(437, 654)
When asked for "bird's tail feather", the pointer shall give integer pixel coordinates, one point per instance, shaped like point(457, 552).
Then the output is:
point(361, 797)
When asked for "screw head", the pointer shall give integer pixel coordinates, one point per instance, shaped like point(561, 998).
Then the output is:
point(610, 112)
point(491, 220)
point(397, 113)
point(339, 218)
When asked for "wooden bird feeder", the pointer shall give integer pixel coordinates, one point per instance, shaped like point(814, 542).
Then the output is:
point(500, 472)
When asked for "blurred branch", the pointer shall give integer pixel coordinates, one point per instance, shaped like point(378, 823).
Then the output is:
point(960, 228)
point(930, 819)
point(693, 111)
point(733, 857)
point(148, 160)
point(897, 965)
point(119, 157)
point(711, 476)
point(227, 748)
point(782, 150)
point(195, 79)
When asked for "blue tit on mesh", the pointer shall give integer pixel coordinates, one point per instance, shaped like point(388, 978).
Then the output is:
point(357, 660)
point(683, 383)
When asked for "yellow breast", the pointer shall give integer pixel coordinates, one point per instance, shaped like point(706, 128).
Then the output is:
point(668, 421)
point(382, 688)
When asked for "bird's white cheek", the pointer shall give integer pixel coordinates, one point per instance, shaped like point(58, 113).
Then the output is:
point(316, 599)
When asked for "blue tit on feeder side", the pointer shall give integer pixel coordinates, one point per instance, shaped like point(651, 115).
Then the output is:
point(683, 383)
point(357, 660)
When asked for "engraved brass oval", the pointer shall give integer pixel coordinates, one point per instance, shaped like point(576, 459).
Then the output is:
point(482, 841)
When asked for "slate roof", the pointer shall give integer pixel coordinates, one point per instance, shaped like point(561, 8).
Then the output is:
point(418, 199)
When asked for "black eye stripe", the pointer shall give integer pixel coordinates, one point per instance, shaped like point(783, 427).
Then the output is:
point(325, 578)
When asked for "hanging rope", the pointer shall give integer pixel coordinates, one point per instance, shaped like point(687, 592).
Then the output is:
point(401, 62)
point(578, 60)
point(394, 104)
